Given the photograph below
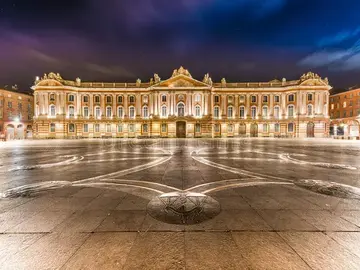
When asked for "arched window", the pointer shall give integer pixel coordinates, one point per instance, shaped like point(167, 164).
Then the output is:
point(71, 111)
point(309, 110)
point(277, 127)
point(132, 99)
point(253, 112)
point(85, 99)
point(230, 112)
point(242, 99)
point(71, 98)
point(120, 99)
point(52, 127)
point(71, 127)
point(253, 99)
point(97, 99)
point(181, 109)
point(197, 98)
point(265, 112)
point(145, 112)
point(97, 112)
point(197, 111)
point(291, 111)
point(277, 112)
point(86, 111)
point(52, 111)
point(120, 113)
point(108, 112)
point(242, 112)
point(132, 112)
point(108, 99)
point(163, 98)
point(216, 112)
point(163, 111)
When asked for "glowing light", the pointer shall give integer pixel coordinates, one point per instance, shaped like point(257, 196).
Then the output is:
point(17, 119)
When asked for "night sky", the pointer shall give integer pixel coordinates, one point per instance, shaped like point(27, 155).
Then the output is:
point(122, 40)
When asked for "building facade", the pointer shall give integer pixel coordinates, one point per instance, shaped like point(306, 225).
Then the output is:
point(345, 114)
point(181, 106)
point(16, 115)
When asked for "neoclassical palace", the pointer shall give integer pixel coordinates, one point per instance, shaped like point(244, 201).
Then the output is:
point(181, 106)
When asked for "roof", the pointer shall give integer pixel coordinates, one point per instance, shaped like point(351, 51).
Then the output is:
point(29, 93)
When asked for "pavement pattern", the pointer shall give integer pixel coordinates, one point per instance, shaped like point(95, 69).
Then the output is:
point(180, 204)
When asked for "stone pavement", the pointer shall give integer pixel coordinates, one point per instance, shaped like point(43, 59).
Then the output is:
point(82, 205)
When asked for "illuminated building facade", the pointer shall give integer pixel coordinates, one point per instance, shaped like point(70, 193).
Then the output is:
point(345, 114)
point(16, 113)
point(182, 107)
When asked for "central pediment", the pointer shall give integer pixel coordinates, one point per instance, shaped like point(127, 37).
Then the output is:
point(180, 81)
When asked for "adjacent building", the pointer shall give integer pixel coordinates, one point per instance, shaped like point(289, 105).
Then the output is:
point(345, 113)
point(181, 106)
point(16, 115)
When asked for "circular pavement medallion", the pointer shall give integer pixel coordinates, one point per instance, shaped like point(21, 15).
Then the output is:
point(183, 208)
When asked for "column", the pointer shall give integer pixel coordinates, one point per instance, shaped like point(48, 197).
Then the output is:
point(58, 104)
point(283, 104)
point(236, 109)
point(259, 105)
point(156, 103)
point(63, 103)
point(206, 104)
point(126, 109)
point(151, 104)
point(91, 109)
point(138, 105)
point(223, 106)
point(46, 99)
point(78, 104)
point(271, 106)
point(211, 109)
point(248, 106)
point(102, 105)
point(113, 104)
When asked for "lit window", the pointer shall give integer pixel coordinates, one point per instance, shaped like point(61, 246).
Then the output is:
point(265, 112)
point(108, 127)
point(242, 99)
point(163, 111)
point(145, 112)
point(181, 109)
point(131, 128)
point(145, 128)
point(242, 112)
point(230, 112)
point(97, 112)
point(86, 111)
point(197, 111)
point(265, 128)
point(97, 127)
point(197, 98)
point(253, 112)
point(71, 111)
point(108, 112)
point(120, 128)
point(309, 110)
point(230, 99)
point(145, 99)
point(120, 112)
point(86, 128)
point(71, 128)
point(216, 112)
point(132, 112)
point(52, 127)
point(290, 111)
point(52, 111)
point(277, 112)
point(332, 106)
point(277, 127)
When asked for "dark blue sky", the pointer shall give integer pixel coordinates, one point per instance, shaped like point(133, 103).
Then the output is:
point(121, 40)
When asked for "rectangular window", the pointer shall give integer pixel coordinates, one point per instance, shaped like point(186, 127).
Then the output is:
point(163, 128)
point(265, 99)
point(253, 99)
point(86, 111)
point(97, 127)
point(120, 128)
point(216, 99)
point(52, 127)
point(163, 98)
point(71, 98)
point(71, 111)
point(291, 98)
point(86, 128)
point(253, 112)
point(131, 128)
point(277, 112)
point(120, 99)
point(310, 97)
point(197, 128)
point(97, 112)
point(242, 112)
point(145, 128)
point(216, 112)
point(265, 128)
point(242, 99)
point(230, 128)
point(277, 127)
point(217, 128)
point(97, 99)
point(276, 99)
point(108, 127)
point(290, 127)
point(86, 99)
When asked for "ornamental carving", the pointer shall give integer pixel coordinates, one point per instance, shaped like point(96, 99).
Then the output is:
point(157, 79)
point(207, 79)
point(181, 71)
point(310, 76)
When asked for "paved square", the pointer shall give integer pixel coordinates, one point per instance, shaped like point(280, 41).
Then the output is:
point(180, 204)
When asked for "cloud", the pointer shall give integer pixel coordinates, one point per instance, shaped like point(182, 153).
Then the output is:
point(339, 37)
point(110, 70)
point(324, 58)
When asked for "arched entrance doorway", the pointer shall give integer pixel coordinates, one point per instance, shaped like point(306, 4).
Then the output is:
point(10, 132)
point(253, 130)
point(181, 129)
point(242, 130)
point(310, 130)
point(20, 134)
